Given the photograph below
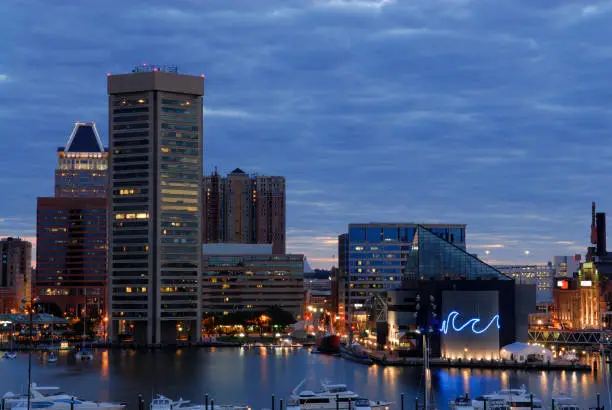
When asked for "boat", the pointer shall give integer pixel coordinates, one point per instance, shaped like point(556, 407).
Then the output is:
point(52, 358)
point(465, 403)
point(329, 344)
point(565, 402)
point(162, 402)
point(515, 399)
point(84, 355)
point(355, 353)
point(48, 398)
point(332, 397)
point(9, 355)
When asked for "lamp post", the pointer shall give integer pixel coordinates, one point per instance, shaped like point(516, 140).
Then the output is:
point(29, 307)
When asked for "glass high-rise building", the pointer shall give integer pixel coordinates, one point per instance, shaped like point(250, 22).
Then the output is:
point(15, 273)
point(155, 237)
point(82, 164)
point(377, 258)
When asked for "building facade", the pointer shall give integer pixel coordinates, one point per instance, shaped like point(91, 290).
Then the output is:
point(82, 164)
point(567, 266)
point(155, 235)
point(71, 254)
point(539, 275)
point(15, 273)
point(239, 277)
point(375, 256)
point(241, 208)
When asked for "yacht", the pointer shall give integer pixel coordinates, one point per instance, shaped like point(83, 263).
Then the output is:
point(164, 403)
point(565, 402)
point(465, 403)
point(50, 399)
point(332, 397)
point(515, 399)
point(9, 355)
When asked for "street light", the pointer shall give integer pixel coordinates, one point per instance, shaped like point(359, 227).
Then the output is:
point(29, 308)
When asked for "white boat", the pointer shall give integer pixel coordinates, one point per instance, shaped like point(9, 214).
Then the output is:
point(49, 399)
point(52, 358)
point(565, 402)
point(164, 403)
point(84, 355)
point(465, 403)
point(332, 397)
point(9, 355)
point(515, 399)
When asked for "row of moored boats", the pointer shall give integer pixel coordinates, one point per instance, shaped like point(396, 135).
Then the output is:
point(330, 397)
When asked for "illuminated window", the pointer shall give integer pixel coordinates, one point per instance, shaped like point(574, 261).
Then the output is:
point(128, 290)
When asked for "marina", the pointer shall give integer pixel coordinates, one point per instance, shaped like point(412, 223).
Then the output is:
point(234, 377)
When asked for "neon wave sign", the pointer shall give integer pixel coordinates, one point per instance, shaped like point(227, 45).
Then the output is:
point(472, 323)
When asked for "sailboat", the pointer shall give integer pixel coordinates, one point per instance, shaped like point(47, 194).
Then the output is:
point(52, 358)
point(84, 354)
point(11, 354)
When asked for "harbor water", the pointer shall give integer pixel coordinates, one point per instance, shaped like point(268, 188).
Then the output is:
point(243, 375)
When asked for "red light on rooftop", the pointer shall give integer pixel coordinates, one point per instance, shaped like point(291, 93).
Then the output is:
point(144, 64)
point(108, 74)
point(155, 69)
point(203, 76)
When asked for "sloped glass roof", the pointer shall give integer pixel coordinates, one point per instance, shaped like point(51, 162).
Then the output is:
point(431, 257)
point(84, 138)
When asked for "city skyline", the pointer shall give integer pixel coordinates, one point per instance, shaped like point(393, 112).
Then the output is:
point(514, 148)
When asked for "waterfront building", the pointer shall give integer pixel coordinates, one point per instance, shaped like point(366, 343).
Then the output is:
point(539, 275)
point(250, 277)
point(242, 208)
point(71, 254)
point(376, 254)
point(15, 273)
point(82, 164)
point(155, 234)
point(566, 265)
point(446, 287)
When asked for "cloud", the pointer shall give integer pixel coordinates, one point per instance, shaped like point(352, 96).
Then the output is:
point(4, 77)
point(226, 113)
point(355, 4)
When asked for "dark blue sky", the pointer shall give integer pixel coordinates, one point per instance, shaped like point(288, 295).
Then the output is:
point(496, 114)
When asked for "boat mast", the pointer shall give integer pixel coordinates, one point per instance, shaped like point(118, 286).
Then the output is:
point(425, 371)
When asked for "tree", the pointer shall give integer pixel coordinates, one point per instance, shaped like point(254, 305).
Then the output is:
point(279, 316)
point(50, 308)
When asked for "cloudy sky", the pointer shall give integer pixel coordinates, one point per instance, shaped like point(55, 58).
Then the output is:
point(497, 114)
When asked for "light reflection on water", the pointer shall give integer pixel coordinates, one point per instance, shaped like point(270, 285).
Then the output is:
point(252, 375)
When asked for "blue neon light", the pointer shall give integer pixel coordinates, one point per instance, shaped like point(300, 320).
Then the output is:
point(450, 322)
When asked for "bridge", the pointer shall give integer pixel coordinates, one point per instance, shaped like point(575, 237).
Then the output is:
point(571, 337)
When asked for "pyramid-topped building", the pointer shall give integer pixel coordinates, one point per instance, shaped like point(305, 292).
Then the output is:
point(82, 164)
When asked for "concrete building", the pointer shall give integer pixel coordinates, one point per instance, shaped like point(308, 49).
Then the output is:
point(155, 229)
point(376, 255)
point(539, 275)
point(239, 277)
point(15, 273)
point(567, 266)
point(241, 208)
point(71, 254)
point(82, 164)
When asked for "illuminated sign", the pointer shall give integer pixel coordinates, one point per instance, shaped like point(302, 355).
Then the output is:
point(562, 284)
point(473, 323)
point(586, 283)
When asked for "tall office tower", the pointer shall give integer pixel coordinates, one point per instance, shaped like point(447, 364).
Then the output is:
point(155, 235)
point(567, 265)
point(71, 254)
point(244, 209)
point(82, 164)
point(15, 273)
point(378, 254)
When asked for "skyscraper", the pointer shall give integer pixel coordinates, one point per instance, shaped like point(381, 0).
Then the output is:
point(155, 236)
point(15, 273)
point(82, 164)
point(244, 209)
point(71, 230)
point(71, 254)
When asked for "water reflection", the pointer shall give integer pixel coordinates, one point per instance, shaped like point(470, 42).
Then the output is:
point(253, 375)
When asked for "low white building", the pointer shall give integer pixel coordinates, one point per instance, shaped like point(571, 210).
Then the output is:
point(522, 351)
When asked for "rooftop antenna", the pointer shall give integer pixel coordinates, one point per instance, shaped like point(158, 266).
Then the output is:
point(593, 227)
